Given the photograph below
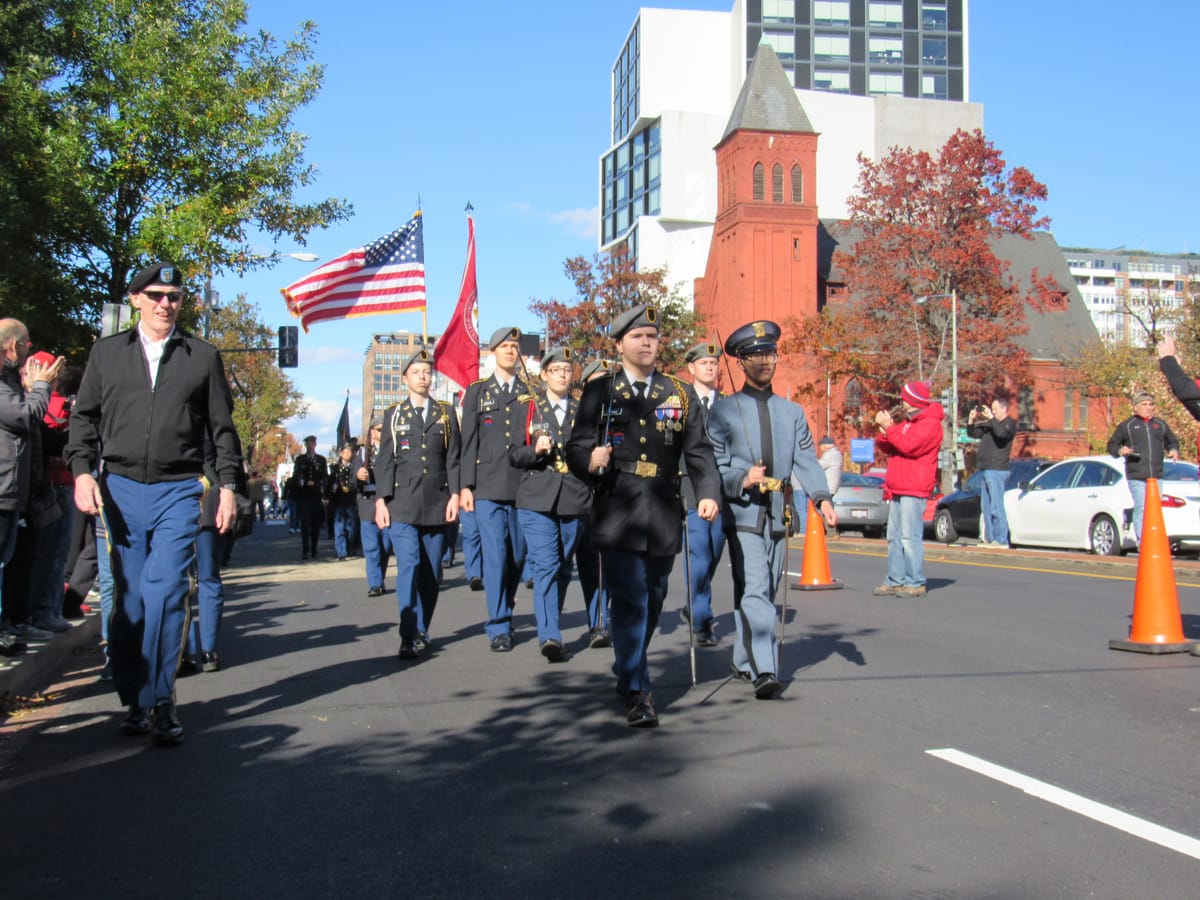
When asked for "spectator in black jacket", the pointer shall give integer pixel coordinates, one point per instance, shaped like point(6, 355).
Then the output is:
point(995, 430)
point(1143, 440)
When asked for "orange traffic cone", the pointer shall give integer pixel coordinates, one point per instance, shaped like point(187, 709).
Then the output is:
point(1157, 626)
point(814, 574)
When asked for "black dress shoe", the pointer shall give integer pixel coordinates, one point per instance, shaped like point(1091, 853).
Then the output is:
point(502, 643)
point(476, 583)
point(639, 710)
point(136, 722)
point(408, 649)
point(422, 642)
point(705, 636)
point(767, 686)
point(210, 661)
point(167, 729)
point(187, 666)
point(739, 674)
point(552, 650)
point(598, 639)
point(375, 592)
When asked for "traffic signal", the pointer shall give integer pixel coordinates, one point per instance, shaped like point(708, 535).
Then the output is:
point(289, 346)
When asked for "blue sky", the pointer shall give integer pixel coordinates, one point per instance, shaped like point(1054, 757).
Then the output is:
point(506, 105)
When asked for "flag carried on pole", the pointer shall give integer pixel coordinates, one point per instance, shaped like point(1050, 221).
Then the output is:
point(343, 425)
point(457, 355)
point(385, 276)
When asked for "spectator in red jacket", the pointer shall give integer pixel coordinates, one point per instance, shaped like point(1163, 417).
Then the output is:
point(912, 447)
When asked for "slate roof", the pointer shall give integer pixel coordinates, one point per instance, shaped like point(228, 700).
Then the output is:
point(767, 101)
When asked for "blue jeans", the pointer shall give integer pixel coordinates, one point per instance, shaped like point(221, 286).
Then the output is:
point(995, 522)
point(757, 560)
point(906, 547)
point(51, 547)
point(550, 542)
point(104, 579)
point(1137, 488)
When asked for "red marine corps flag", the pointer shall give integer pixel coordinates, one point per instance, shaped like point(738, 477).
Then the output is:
point(457, 354)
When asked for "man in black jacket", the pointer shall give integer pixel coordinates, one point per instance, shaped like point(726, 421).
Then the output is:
point(995, 430)
point(1143, 440)
point(148, 397)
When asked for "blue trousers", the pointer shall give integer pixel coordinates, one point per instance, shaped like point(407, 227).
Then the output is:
point(637, 584)
point(377, 550)
point(757, 561)
point(51, 547)
point(550, 543)
point(418, 573)
point(587, 562)
point(472, 545)
point(152, 528)
point(503, 560)
point(345, 521)
point(995, 522)
point(706, 542)
point(906, 542)
point(210, 592)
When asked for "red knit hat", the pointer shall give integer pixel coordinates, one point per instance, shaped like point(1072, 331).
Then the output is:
point(917, 394)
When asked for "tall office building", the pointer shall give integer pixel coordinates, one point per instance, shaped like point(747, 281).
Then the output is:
point(679, 72)
point(1126, 292)
point(382, 381)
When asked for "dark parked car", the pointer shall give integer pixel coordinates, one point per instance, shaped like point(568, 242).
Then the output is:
point(958, 513)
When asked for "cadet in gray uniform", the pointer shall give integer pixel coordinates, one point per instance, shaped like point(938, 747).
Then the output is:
point(761, 441)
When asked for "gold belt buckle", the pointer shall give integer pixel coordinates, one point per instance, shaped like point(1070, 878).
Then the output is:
point(772, 484)
point(645, 469)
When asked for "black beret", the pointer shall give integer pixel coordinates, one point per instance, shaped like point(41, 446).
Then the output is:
point(421, 355)
point(754, 337)
point(703, 351)
point(557, 354)
point(164, 273)
point(644, 316)
point(311, 437)
point(502, 335)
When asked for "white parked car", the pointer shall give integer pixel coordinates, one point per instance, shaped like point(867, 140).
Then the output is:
point(1085, 503)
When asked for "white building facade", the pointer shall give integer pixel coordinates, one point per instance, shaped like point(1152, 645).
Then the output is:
point(1126, 293)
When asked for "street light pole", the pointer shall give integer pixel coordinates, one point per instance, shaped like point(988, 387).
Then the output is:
point(953, 295)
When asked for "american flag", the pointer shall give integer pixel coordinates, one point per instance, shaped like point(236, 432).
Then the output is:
point(385, 276)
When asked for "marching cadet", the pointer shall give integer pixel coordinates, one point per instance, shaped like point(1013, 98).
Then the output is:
point(761, 442)
point(706, 540)
point(341, 491)
point(551, 502)
point(587, 555)
point(633, 428)
point(493, 423)
point(417, 480)
point(376, 541)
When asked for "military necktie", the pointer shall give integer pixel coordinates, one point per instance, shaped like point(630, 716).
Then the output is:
point(704, 401)
point(640, 387)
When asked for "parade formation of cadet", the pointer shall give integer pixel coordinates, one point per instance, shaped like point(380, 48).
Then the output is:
point(417, 483)
point(706, 539)
point(376, 541)
point(761, 442)
point(551, 502)
point(634, 428)
point(493, 423)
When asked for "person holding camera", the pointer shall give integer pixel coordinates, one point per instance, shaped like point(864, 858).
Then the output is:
point(1143, 440)
point(995, 430)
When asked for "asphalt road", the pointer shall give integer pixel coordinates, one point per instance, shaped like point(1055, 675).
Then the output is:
point(317, 764)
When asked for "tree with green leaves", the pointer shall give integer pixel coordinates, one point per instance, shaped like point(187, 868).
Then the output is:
point(167, 130)
point(606, 286)
point(263, 396)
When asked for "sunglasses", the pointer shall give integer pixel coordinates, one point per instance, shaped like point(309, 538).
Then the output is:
point(158, 296)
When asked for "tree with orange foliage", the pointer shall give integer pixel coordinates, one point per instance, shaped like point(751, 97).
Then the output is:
point(924, 226)
point(605, 287)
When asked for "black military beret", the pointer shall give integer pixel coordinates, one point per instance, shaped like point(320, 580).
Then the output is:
point(164, 273)
point(703, 351)
point(502, 335)
point(639, 317)
point(421, 355)
point(755, 337)
point(557, 354)
point(311, 437)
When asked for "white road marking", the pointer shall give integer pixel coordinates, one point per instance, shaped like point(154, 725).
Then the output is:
point(1114, 818)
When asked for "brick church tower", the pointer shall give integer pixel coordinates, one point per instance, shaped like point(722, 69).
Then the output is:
point(762, 263)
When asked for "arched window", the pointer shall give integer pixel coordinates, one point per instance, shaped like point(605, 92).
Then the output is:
point(797, 185)
point(759, 177)
point(777, 183)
